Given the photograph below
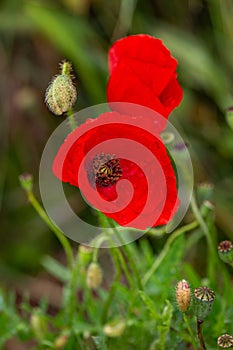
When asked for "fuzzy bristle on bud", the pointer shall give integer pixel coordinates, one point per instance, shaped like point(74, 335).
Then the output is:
point(183, 295)
point(61, 94)
point(225, 341)
point(203, 301)
point(94, 276)
point(225, 251)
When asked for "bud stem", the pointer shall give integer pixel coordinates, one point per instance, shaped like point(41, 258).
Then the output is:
point(71, 119)
point(193, 341)
point(199, 334)
point(59, 234)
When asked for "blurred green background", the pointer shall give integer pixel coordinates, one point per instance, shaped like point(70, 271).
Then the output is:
point(36, 35)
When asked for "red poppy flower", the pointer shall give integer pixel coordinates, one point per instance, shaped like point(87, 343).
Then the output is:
point(122, 168)
point(142, 71)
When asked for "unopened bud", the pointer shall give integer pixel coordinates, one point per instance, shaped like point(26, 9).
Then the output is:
point(114, 328)
point(167, 137)
point(61, 341)
point(61, 94)
point(205, 191)
point(94, 276)
point(26, 182)
point(225, 341)
point(183, 295)
point(225, 251)
point(38, 324)
point(84, 254)
point(203, 301)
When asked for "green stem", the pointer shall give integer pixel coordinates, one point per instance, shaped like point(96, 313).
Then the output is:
point(113, 286)
point(166, 249)
point(105, 222)
point(193, 341)
point(71, 119)
point(72, 290)
point(128, 256)
point(211, 247)
point(59, 234)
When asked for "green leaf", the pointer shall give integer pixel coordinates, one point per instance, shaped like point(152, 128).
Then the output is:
point(149, 304)
point(56, 269)
point(100, 342)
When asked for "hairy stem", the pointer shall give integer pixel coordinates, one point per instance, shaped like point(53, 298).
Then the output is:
point(166, 249)
point(199, 334)
point(59, 234)
point(190, 332)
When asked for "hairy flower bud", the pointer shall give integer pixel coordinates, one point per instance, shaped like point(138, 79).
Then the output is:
point(114, 328)
point(183, 295)
point(225, 341)
point(203, 301)
point(61, 94)
point(225, 251)
point(94, 276)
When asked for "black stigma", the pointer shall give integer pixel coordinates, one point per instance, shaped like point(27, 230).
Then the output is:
point(104, 170)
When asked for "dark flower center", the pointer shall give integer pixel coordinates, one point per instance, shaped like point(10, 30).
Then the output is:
point(104, 170)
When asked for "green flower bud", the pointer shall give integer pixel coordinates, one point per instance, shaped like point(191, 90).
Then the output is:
point(61, 94)
point(225, 341)
point(205, 191)
point(225, 251)
point(94, 276)
point(115, 328)
point(203, 301)
point(26, 182)
point(183, 295)
point(38, 324)
point(84, 254)
point(167, 137)
point(61, 341)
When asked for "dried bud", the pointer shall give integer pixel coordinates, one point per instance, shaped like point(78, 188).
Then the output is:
point(225, 341)
point(183, 295)
point(61, 94)
point(94, 276)
point(114, 328)
point(225, 251)
point(26, 182)
point(61, 341)
point(203, 301)
point(38, 324)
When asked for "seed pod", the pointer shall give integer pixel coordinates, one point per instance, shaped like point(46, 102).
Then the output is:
point(225, 341)
point(225, 251)
point(203, 301)
point(183, 295)
point(115, 328)
point(61, 94)
point(94, 276)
